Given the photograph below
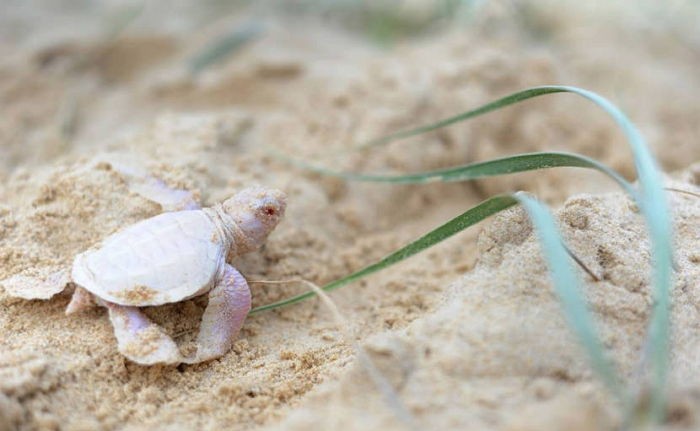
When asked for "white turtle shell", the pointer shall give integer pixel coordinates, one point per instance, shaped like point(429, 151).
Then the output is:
point(167, 258)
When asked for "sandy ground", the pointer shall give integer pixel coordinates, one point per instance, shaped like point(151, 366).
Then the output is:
point(469, 334)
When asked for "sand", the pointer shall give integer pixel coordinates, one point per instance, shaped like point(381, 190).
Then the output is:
point(469, 333)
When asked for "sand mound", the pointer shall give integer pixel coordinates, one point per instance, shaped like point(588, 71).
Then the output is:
point(498, 353)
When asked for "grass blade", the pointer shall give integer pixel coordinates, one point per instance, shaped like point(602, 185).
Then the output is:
point(565, 280)
point(495, 167)
point(655, 209)
point(570, 294)
point(469, 218)
point(652, 202)
point(221, 48)
point(484, 109)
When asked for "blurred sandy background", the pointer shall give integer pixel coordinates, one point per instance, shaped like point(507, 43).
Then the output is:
point(469, 334)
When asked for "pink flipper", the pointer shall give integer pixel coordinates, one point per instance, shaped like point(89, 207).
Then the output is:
point(80, 301)
point(139, 339)
point(229, 304)
point(169, 199)
point(27, 287)
point(154, 189)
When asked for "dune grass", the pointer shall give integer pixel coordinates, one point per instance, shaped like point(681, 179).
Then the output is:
point(221, 48)
point(649, 196)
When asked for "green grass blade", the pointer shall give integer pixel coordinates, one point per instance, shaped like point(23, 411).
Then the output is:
point(655, 209)
point(652, 202)
point(495, 167)
point(568, 289)
point(489, 107)
point(221, 48)
point(469, 218)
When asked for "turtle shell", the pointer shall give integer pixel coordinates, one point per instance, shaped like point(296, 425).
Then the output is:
point(167, 258)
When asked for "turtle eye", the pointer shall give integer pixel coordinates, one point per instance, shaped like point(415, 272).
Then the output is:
point(268, 209)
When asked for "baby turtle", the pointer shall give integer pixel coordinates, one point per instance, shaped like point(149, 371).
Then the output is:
point(169, 258)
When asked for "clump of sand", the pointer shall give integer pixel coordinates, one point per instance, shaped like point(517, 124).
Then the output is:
point(490, 349)
point(498, 354)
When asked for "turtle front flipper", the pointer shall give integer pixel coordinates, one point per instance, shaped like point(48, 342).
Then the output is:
point(139, 339)
point(155, 189)
point(229, 304)
point(30, 287)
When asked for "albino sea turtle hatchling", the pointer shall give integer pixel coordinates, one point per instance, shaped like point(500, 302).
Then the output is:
point(169, 258)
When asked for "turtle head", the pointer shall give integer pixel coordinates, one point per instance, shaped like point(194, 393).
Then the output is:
point(256, 212)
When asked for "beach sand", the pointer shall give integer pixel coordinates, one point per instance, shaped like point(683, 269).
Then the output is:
point(468, 334)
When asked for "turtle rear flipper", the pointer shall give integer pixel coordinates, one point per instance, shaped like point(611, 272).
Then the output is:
point(31, 287)
point(139, 339)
